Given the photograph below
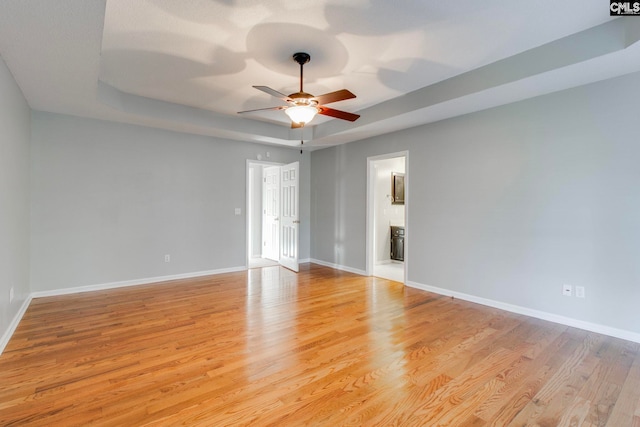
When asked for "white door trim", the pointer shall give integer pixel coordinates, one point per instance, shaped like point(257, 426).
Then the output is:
point(369, 240)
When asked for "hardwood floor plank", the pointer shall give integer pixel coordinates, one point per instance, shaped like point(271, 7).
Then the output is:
point(322, 347)
point(524, 383)
point(626, 410)
point(601, 390)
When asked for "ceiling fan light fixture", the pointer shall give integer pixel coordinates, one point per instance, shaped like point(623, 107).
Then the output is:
point(301, 114)
point(304, 106)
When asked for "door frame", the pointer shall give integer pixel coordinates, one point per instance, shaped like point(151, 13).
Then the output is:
point(369, 239)
point(247, 184)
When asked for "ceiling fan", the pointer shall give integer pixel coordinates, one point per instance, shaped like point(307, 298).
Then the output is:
point(303, 106)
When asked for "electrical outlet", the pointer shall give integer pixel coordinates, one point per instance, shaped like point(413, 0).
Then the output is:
point(11, 295)
point(167, 258)
point(238, 211)
point(580, 292)
point(567, 290)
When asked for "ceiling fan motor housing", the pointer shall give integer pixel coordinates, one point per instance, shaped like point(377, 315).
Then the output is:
point(303, 98)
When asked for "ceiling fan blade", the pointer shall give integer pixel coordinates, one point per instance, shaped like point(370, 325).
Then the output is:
point(339, 95)
point(273, 92)
point(282, 107)
point(326, 111)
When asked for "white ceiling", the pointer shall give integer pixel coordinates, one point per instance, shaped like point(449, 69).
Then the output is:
point(188, 65)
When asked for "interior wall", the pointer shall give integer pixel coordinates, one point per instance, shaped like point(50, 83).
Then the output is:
point(15, 117)
point(509, 204)
point(109, 200)
point(386, 214)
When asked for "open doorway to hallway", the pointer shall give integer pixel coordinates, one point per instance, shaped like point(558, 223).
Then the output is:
point(273, 214)
point(257, 256)
point(386, 216)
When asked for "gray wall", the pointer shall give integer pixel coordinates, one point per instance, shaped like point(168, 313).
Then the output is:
point(510, 203)
point(109, 200)
point(14, 197)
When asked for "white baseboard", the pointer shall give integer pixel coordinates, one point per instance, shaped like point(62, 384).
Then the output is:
point(135, 282)
point(339, 267)
point(567, 321)
point(14, 324)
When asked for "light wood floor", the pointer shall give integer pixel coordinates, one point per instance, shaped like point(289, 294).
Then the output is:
point(322, 348)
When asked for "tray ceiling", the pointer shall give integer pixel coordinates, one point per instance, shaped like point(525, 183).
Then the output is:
point(189, 65)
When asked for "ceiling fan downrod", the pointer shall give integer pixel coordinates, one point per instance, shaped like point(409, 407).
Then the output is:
point(301, 58)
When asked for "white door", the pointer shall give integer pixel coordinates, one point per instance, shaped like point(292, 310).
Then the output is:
point(289, 216)
point(271, 213)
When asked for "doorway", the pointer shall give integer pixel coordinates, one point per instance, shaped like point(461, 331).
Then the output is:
point(387, 203)
point(256, 254)
point(272, 214)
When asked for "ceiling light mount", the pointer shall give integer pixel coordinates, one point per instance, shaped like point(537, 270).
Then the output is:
point(301, 58)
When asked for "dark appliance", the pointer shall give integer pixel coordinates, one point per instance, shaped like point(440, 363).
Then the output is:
point(397, 243)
